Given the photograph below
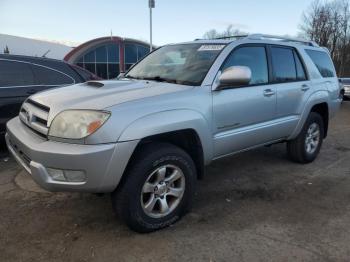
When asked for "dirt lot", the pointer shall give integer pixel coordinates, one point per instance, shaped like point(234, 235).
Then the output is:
point(256, 206)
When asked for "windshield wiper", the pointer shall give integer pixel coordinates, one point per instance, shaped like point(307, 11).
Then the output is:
point(160, 79)
point(132, 77)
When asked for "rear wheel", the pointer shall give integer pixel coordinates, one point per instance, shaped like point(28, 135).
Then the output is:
point(157, 189)
point(306, 146)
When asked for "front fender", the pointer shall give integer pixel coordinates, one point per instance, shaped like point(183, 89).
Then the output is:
point(316, 98)
point(169, 121)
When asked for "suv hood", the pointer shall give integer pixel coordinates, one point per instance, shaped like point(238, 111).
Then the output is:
point(102, 94)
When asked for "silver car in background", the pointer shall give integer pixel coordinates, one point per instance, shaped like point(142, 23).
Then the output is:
point(147, 137)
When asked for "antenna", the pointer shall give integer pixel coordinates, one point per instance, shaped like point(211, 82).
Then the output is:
point(44, 55)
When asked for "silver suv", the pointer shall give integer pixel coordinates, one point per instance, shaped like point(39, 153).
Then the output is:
point(147, 137)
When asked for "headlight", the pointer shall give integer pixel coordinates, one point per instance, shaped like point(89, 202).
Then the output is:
point(77, 124)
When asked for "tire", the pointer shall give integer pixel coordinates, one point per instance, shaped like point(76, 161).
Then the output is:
point(298, 149)
point(342, 95)
point(130, 200)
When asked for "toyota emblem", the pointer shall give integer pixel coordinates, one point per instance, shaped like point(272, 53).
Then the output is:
point(28, 117)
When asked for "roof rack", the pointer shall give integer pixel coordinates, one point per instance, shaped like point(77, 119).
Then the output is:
point(270, 37)
point(282, 39)
point(225, 37)
point(231, 37)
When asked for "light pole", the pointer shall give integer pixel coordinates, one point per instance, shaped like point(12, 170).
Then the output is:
point(151, 4)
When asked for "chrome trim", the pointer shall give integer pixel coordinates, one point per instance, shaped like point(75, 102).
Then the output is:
point(35, 110)
point(35, 86)
point(49, 68)
point(29, 115)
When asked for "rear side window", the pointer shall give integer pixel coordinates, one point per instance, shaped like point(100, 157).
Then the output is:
point(284, 69)
point(287, 66)
point(13, 73)
point(323, 62)
point(86, 75)
point(46, 76)
point(253, 57)
point(301, 75)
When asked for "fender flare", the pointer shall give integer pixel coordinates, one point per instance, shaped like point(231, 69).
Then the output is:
point(318, 97)
point(169, 121)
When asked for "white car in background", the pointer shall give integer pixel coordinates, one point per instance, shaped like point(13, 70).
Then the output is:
point(345, 82)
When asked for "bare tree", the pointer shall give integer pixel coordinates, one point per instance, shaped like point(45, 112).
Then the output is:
point(229, 31)
point(327, 23)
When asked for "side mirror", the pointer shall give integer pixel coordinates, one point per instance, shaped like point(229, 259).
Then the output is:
point(235, 76)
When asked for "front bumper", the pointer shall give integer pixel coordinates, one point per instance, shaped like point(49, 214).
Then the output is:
point(103, 164)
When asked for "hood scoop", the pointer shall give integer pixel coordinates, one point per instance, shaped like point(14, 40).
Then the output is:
point(95, 84)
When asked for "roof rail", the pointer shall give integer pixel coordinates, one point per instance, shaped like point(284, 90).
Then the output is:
point(225, 37)
point(282, 39)
point(231, 37)
point(263, 36)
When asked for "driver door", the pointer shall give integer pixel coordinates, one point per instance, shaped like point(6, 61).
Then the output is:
point(244, 116)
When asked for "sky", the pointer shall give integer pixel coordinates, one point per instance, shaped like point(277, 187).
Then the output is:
point(77, 21)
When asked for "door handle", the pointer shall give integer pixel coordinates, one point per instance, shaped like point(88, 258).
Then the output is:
point(31, 92)
point(268, 92)
point(305, 87)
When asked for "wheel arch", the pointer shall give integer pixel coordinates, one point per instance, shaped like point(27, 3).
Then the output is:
point(186, 129)
point(318, 102)
point(186, 139)
point(323, 110)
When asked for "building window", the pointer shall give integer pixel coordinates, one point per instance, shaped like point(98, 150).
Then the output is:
point(134, 53)
point(103, 61)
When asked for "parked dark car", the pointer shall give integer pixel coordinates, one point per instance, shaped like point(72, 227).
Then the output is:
point(22, 76)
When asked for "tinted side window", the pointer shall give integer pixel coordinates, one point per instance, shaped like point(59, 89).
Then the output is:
point(15, 74)
point(46, 76)
point(253, 57)
point(284, 69)
point(323, 62)
point(301, 75)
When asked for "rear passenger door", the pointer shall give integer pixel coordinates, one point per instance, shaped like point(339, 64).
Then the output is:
point(46, 78)
point(16, 81)
point(292, 86)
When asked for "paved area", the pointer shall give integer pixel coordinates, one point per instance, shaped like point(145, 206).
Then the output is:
point(256, 206)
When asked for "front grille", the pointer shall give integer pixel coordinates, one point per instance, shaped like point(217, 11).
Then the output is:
point(35, 115)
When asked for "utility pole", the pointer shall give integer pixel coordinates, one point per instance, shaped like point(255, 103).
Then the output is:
point(151, 4)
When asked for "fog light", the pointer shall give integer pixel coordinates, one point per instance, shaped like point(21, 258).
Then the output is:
point(74, 176)
point(56, 174)
point(66, 175)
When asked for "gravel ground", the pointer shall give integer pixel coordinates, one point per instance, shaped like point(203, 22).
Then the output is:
point(256, 206)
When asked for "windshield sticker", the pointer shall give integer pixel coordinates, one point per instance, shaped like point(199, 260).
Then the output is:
point(211, 48)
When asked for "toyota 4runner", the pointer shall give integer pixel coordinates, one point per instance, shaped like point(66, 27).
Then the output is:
point(147, 136)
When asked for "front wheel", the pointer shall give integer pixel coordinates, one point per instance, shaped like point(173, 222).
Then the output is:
point(157, 189)
point(306, 146)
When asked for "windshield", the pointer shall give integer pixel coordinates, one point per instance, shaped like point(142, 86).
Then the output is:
point(185, 64)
